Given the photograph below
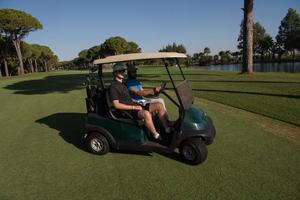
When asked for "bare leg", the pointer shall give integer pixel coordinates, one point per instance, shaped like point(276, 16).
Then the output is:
point(159, 100)
point(144, 114)
point(162, 115)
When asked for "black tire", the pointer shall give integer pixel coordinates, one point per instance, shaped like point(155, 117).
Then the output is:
point(193, 151)
point(97, 143)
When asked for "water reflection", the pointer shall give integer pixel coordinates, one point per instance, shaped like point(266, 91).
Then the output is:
point(257, 67)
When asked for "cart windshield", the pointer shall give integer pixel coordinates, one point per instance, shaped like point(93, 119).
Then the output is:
point(185, 94)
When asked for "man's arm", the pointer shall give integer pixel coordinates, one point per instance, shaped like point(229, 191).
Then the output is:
point(122, 106)
point(144, 92)
point(141, 92)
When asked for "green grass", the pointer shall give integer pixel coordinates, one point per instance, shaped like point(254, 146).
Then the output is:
point(42, 155)
point(276, 95)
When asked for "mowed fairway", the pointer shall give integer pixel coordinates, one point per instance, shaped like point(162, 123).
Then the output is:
point(42, 155)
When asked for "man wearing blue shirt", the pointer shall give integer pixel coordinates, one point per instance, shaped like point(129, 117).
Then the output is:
point(137, 92)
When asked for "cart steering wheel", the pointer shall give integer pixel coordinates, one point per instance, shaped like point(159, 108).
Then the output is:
point(162, 88)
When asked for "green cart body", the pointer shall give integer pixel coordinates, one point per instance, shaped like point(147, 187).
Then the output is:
point(105, 130)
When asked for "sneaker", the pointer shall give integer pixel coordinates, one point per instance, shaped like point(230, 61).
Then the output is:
point(157, 137)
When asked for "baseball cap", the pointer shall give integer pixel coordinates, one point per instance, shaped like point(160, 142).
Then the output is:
point(118, 67)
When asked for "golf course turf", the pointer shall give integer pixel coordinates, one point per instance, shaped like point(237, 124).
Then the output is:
point(43, 156)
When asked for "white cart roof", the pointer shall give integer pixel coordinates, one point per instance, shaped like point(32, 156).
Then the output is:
point(138, 56)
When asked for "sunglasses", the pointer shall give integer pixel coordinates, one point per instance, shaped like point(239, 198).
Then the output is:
point(121, 71)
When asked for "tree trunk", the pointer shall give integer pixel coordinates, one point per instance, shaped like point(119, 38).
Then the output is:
point(36, 67)
point(45, 65)
point(5, 68)
point(31, 65)
point(19, 55)
point(273, 55)
point(248, 37)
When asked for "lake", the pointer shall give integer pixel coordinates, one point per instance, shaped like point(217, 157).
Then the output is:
point(257, 67)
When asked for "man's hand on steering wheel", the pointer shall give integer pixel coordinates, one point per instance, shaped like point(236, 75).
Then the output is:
point(157, 90)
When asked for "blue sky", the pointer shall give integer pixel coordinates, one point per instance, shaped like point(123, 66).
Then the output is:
point(71, 26)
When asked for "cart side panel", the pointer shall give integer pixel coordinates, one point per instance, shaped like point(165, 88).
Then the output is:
point(121, 131)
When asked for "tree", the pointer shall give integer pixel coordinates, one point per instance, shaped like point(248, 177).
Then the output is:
point(173, 48)
point(206, 51)
point(35, 54)
point(6, 51)
point(46, 56)
point(262, 42)
point(27, 55)
point(15, 25)
point(195, 58)
point(241, 37)
point(248, 37)
point(114, 45)
point(83, 57)
point(118, 45)
point(216, 59)
point(222, 55)
point(228, 56)
point(265, 45)
point(111, 46)
point(236, 56)
point(289, 32)
point(204, 57)
point(94, 53)
point(259, 34)
point(133, 48)
point(53, 61)
point(225, 56)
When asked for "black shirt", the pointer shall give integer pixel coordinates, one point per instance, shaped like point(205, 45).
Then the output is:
point(118, 91)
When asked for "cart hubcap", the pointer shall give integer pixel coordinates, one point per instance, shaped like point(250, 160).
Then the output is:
point(96, 144)
point(189, 153)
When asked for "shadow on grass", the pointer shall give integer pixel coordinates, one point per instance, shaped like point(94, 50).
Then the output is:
point(71, 129)
point(49, 84)
point(69, 125)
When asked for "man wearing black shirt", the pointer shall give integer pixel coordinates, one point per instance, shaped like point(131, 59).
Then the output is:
point(121, 100)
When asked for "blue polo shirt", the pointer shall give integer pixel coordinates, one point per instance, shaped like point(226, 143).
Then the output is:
point(134, 84)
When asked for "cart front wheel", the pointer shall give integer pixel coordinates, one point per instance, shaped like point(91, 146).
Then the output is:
point(193, 151)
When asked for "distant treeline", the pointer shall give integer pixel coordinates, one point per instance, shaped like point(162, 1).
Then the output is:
point(284, 48)
point(18, 57)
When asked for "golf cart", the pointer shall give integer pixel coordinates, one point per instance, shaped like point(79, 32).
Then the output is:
point(106, 128)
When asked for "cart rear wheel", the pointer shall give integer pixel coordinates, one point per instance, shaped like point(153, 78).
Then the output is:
point(193, 151)
point(97, 144)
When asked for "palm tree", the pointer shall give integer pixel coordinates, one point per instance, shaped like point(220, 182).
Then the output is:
point(222, 54)
point(248, 37)
point(206, 51)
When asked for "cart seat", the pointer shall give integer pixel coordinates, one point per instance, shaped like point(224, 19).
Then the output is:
point(121, 115)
